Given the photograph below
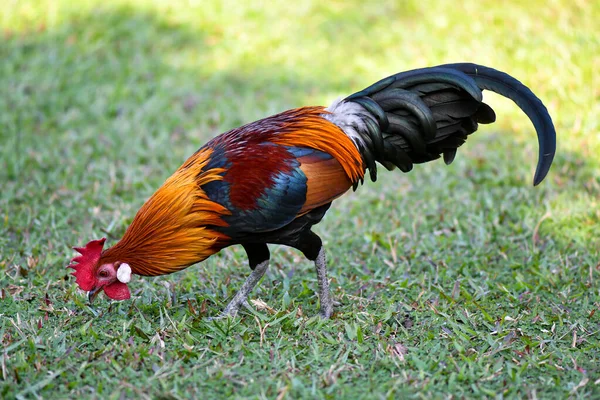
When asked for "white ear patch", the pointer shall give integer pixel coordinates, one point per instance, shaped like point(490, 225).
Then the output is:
point(124, 273)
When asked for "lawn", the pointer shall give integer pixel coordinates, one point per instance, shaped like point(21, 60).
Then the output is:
point(454, 282)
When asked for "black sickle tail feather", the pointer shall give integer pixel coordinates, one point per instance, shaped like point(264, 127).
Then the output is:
point(418, 115)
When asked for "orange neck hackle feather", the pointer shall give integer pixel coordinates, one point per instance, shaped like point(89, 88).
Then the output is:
point(170, 231)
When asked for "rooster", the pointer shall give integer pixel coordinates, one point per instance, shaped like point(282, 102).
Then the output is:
point(270, 181)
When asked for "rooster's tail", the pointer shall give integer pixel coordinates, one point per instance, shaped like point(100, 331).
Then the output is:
point(419, 115)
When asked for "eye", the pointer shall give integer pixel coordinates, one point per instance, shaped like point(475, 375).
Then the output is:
point(103, 273)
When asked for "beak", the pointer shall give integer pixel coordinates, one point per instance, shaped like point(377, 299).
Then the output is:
point(92, 294)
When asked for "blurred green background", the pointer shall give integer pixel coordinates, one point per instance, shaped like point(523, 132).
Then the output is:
point(460, 281)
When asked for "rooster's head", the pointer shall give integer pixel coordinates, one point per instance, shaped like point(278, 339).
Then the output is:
point(93, 276)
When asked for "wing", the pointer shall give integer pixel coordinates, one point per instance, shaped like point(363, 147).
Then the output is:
point(267, 186)
point(280, 168)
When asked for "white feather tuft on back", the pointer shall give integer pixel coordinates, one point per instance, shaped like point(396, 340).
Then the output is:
point(349, 117)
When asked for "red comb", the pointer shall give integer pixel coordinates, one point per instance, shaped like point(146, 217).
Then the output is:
point(84, 265)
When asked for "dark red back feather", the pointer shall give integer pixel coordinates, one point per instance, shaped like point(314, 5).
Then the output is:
point(268, 159)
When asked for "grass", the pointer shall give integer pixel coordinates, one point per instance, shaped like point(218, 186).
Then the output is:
point(455, 282)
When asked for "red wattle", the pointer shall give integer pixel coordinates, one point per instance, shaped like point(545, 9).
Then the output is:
point(117, 291)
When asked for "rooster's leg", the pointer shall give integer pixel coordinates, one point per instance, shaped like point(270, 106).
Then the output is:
point(312, 247)
point(324, 294)
point(241, 296)
point(258, 257)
